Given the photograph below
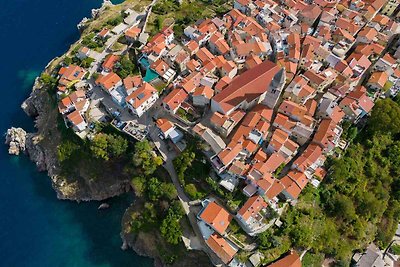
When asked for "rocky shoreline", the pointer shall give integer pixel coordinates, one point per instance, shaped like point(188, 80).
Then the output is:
point(41, 148)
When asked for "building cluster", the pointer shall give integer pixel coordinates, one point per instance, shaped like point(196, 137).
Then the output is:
point(267, 86)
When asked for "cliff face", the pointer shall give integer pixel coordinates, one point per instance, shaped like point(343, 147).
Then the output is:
point(41, 147)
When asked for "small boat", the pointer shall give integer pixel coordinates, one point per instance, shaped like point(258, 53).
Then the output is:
point(103, 206)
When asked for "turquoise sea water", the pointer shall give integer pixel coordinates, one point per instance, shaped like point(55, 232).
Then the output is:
point(36, 229)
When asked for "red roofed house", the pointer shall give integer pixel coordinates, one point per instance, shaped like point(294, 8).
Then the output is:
point(327, 135)
point(309, 160)
point(225, 124)
point(78, 122)
point(164, 70)
point(377, 81)
point(263, 83)
point(109, 82)
point(294, 183)
point(142, 99)
point(223, 248)
point(215, 216)
point(132, 34)
point(202, 95)
point(356, 104)
point(291, 260)
point(225, 157)
point(174, 100)
point(110, 62)
point(69, 75)
point(250, 216)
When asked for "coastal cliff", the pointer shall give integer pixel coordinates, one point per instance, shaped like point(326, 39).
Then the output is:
point(41, 147)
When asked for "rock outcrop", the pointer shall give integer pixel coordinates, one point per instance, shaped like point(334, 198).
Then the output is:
point(41, 147)
point(16, 140)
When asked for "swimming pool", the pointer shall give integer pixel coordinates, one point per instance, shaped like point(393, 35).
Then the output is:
point(144, 62)
point(150, 75)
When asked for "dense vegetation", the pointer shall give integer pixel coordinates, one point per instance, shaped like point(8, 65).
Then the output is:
point(125, 67)
point(187, 13)
point(359, 201)
point(192, 169)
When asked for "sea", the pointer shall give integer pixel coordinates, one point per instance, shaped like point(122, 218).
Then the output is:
point(36, 229)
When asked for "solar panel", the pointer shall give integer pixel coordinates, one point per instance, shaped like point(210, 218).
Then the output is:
point(140, 96)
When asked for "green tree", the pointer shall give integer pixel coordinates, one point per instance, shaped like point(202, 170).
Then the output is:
point(99, 146)
point(139, 185)
point(66, 149)
point(169, 191)
point(154, 190)
point(170, 228)
point(145, 158)
point(117, 145)
point(384, 117)
point(48, 80)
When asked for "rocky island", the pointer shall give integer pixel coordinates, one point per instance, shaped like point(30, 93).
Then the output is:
point(250, 132)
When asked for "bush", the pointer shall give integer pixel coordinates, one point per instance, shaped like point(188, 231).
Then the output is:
point(395, 249)
point(106, 146)
point(193, 193)
point(48, 80)
point(116, 20)
point(139, 185)
point(145, 158)
point(66, 149)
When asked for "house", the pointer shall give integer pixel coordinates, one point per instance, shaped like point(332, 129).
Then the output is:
point(142, 99)
point(109, 62)
point(131, 83)
point(174, 100)
point(356, 104)
point(83, 53)
point(181, 60)
point(294, 182)
point(299, 91)
point(225, 124)
point(202, 96)
point(319, 81)
point(264, 83)
point(168, 130)
point(293, 110)
point(223, 248)
point(241, 51)
point(329, 109)
point(377, 81)
point(163, 70)
point(327, 135)
point(132, 34)
point(70, 75)
point(241, 5)
point(109, 82)
point(309, 160)
point(250, 215)
point(213, 140)
point(225, 157)
point(68, 103)
point(290, 260)
point(215, 216)
point(390, 7)
point(104, 34)
point(77, 121)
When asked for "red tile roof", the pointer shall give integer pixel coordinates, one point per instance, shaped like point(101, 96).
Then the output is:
point(247, 86)
point(216, 216)
point(108, 81)
point(175, 98)
point(252, 207)
point(221, 247)
point(291, 260)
